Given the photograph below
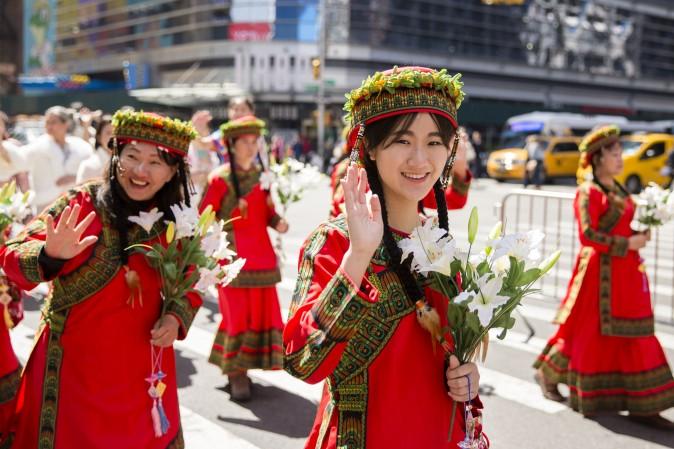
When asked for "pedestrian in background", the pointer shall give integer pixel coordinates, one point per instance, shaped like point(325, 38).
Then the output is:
point(94, 166)
point(249, 335)
point(533, 170)
point(605, 348)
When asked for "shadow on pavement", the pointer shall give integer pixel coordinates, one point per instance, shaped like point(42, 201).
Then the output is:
point(185, 369)
point(621, 425)
point(277, 410)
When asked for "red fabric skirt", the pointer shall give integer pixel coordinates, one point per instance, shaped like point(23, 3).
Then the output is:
point(250, 333)
point(10, 372)
point(606, 373)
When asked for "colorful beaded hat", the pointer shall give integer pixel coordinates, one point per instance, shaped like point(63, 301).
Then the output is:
point(242, 126)
point(401, 90)
point(171, 135)
point(596, 140)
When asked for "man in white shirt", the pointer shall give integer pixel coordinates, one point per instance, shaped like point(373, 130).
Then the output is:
point(52, 159)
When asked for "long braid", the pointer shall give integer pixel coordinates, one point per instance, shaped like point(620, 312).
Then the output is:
point(441, 203)
point(232, 168)
point(395, 254)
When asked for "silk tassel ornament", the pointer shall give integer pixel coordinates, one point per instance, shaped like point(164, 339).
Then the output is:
point(156, 420)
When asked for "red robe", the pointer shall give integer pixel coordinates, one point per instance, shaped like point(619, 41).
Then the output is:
point(385, 385)
point(249, 335)
point(10, 373)
point(83, 385)
point(456, 194)
point(605, 348)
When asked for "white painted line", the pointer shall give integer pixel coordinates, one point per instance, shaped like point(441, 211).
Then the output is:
point(516, 340)
point(518, 390)
point(200, 433)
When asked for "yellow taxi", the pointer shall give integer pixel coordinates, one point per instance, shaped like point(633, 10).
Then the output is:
point(560, 158)
point(644, 157)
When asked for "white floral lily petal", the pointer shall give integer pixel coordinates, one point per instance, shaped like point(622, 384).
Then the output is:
point(187, 218)
point(208, 277)
point(146, 220)
point(487, 298)
point(431, 250)
point(231, 271)
point(522, 246)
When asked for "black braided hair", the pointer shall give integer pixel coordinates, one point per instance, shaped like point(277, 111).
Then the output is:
point(384, 132)
point(232, 168)
point(121, 207)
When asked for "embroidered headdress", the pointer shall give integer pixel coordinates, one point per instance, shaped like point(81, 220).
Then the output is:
point(398, 91)
point(171, 135)
point(596, 140)
point(242, 126)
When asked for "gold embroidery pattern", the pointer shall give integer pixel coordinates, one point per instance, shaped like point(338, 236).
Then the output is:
point(263, 350)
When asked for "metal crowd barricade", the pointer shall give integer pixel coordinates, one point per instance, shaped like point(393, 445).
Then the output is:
point(552, 213)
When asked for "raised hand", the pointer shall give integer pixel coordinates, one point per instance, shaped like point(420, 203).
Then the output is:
point(64, 241)
point(363, 213)
point(200, 120)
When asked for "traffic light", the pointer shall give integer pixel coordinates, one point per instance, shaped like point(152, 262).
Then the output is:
point(316, 68)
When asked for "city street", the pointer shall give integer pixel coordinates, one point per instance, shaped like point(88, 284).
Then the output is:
point(516, 415)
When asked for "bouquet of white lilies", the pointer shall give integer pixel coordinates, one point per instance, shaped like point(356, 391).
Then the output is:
point(655, 207)
point(14, 206)
point(483, 289)
point(193, 259)
point(288, 180)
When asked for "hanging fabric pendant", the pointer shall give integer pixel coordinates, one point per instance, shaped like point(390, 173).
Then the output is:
point(133, 282)
point(429, 319)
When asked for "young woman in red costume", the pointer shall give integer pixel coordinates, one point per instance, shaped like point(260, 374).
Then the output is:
point(84, 384)
point(249, 335)
point(353, 321)
point(605, 349)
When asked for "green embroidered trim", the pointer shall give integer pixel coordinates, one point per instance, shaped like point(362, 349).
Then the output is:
point(184, 312)
point(305, 274)
point(338, 313)
point(247, 181)
point(351, 402)
point(171, 133)
point(258, 278)
point(50, 389)
point(405, 88)
point(583, 262)
point(28, 260)
point(598, 392)
point(263, 350)
point(9, 385)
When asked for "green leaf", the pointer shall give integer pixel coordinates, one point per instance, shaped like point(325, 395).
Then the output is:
point(528, 277)
point(509, 325)
point(472, 225)
point(171, 270)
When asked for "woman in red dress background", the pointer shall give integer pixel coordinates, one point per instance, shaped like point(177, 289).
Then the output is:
point(10, 369)
point(249, 335)
point(605, 349)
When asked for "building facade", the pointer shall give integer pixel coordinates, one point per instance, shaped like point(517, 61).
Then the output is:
point(603, 56)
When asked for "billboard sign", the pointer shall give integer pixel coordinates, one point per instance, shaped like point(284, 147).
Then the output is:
point(39, 36)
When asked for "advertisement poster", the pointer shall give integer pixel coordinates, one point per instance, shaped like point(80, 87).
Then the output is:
point(252, 20)
point(39, 36)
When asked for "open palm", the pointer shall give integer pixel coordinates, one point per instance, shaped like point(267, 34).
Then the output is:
point(363, 213)
point(64, 240)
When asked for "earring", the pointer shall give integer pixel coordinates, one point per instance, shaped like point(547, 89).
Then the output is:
point(355, 151)
point(447, 171)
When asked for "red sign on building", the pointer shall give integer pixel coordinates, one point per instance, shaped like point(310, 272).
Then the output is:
point(250, 31)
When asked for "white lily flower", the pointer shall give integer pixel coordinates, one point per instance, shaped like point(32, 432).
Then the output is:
point(187, 219)
point(231, 271)
point(501, 265)
point(208, 277)
point(430, 249)
point(464, 296)
point(521, 246)
point(146, 220)
point(487, 298)
point(267, 179)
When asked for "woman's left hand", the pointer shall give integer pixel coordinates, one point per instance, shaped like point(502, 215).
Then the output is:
point(282, 226)
point(457, 380)
point(165, 331)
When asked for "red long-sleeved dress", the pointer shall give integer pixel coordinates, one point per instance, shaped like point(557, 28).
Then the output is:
point(249, 335)
point(605, 348)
